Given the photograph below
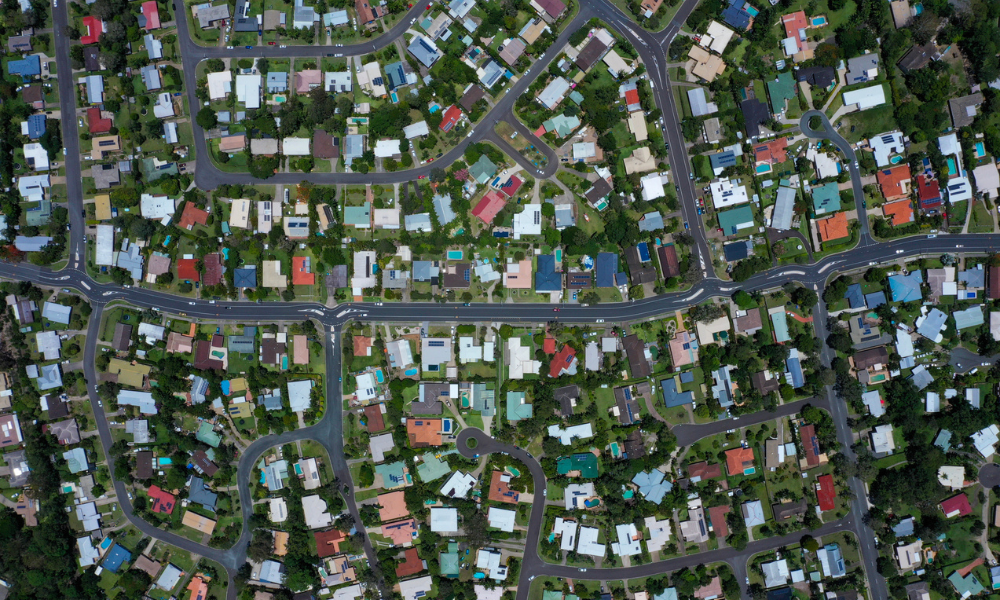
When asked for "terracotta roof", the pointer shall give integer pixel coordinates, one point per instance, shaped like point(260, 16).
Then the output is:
point(500, 490)
point(198, 588)
point(717, 515)
point(411, 565)
point(807, 433)
point(161, 501)
point(549, 345)
point(488, 207)
point(704, 470)
point(423, 432)
point(300, 275)
point(892, 181)
point(361, 345)
point(186, 269)
point(772, 152)
point(833, 228)
point(451, 116)
point(192, 216)
point(898, 213)
point(562, 360)
point(392, 506)
point(738, 460)
point(95, 124)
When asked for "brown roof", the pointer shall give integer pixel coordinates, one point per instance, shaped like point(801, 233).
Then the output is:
point(366, 12)
point(411, 565)
point(455, 276)
point(994, 283)
point(144, 465)
point(871, 357)
point(590, 54)
point(786, 510)
point(470, 97)
point(202, 354)
point(57, 408)
point(123, 337)
point(500, 489)
point(201, 460)
point(150, 566)
point(325, 145)
point(373, 418)
point(635, 446)
point(32, 94)
point(213, 269)
point(762, 384)
point(638, 271)
point(669, 265)
point(423, 432)
point(717, 515)
point(328, 542)
point(271, 351)
point(634, 348)
point(553, 8)
point(704, 470)
point(749, 321)
point(598, 190)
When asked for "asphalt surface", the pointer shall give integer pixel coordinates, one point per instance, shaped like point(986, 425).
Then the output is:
point(328, 431)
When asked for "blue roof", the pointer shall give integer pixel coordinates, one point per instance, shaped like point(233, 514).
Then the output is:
point(904, 528)
point(735, 16)
point(795, 370)
point(854, 296)
point(687, 377)
point(546, 277)
point(875, 299)
point(671, 397)
point(652, 485)
point(424, 51)
point(722, 160)
point(395, 75)
point(906, 288)
point(606, 267)
point(36, 126)
point(116, 557)
point(736, 251)
point(245, 277)
point(26, 67)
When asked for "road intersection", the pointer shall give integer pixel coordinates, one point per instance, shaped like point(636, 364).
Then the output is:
point(328, 431)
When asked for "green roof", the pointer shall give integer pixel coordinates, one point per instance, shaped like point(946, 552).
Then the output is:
point(562, 125)
point(552, 595)
point(576, 97)
point(585, 462)
point(826, 199)
point(358, 216)
point(965, 586)
point(38, 213)
point(432, 467)
point(781, 90)
point(483, 169)
point(517, 408)
point(732, 220)
point(449, 563)
point(393, 475)
point(207, 435)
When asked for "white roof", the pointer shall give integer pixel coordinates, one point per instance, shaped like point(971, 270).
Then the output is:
point(387, 148)
point(528, 222)
point(219, 84)
point(164, 106)
point(338, 81)
point(566, 435)
point(156, 207)
point(725, 194)
point(248, 90)
point(886, 144)
point(468, 351)
point(278, 510)
point(652, 186)
point(959, 189)
point(502, 519)
point(616, 64)
point(415, 130)
point(40, 155)
point(882, 440)
point(105, 245)
point(314, 508)
point(298, 394)
point(48, 344)
point(866, 98)
point(587, 542)
point(826, 165)
point(412, 589)
point(458, 485)
point(566, 530)
point(717, 37)
point(949, 144)
point(521, 363)
point(88, 553)
point(444, 520)
point(987, 179)
point(659, 533)
point(775, 573)
point(904, 343)
point(873, 401)
point(366, 387)
point(985, 439)
point(32, 187)
point(295, 146)
point(152, 333)
point(350, 592)
point(169, 578)
point(576, 494)
point(627, 545)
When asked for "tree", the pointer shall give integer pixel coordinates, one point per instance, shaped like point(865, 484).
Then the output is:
point(805, 297)
point(207, 119)
point(261, 546)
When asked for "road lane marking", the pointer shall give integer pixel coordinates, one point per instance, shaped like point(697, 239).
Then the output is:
point(84, 284)
point(829, 265)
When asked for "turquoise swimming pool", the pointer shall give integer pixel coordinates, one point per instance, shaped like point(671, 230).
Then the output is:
point(225, 387)
point(394, 97)
point(818, 21)
point(279, 99)
point(952, 167)
point(558, 254)
point(764, 168)
point(163, 462)
point(753, 12)
point(106, 543)
point(411, 372)
point(980, 150)
point(379, 376)
point(896, 159)
point(166, 242)
point(455, 254)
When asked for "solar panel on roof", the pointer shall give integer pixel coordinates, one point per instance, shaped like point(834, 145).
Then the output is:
point(437, 344)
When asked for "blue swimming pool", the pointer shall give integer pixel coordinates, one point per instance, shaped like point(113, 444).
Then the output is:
point(394, 97)
point(164, 461)
point(455, 254)
point(225, 387)
point(106, 543)
point(896, 159)
point(379, 376)
point(980, 150)
point(753, 12)
point(411, 372)
point(818, 21)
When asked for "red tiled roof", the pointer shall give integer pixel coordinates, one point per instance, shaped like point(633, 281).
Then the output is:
point(510, 188)
point(738, 460)
point(152, 14)
point(500, 490)
point(451, 116)
point(162, 501)
point(328, 542)
point(956, 506)
point(549, 345)
point(891, 181)
point(794, 22)
point(562, 360)
point(632, 97)
point(833, 228)
point(811, 445)
point(928, 190)
point(213, 269)
point(186, 269)
point(300, 272)
point(95, 124)
point(373, 418)
point(773, 152)
point(192, 216)
point(487, 208)
point(411, 564)
point(826, 493)
point(717, 515)
point(94, 30)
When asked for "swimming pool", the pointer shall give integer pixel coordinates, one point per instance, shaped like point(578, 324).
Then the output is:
point(166, 242)
point(601, 205)
point(394, 97)
point(592, 503)
point(615, 450)
point(379, 376)
point(225, 387)
point(818, 21)
point(764, 168)
point(952, 167)
point(558, 254)
point(410, 372)
point(165, 461)
point(896, 159)
point(513, 471)
point(980, 150)
point(106, 543)
point(279, 99)
point(455, 254)
point(753, 12)
point(284, 363)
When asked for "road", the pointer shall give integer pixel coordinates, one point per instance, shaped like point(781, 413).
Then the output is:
point(651, 48)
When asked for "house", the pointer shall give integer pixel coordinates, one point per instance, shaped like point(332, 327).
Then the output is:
point(909, 556)
point(775, 573)
point(826, 493)
point(865, 98)
point(956, 506)
point(861, 69)
point(964, 109)
point(366, 12)
point(501, 518)
point(753, 513)
point(740, 461)
point(424, 50)
point(704, 65)
point(552, 95)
